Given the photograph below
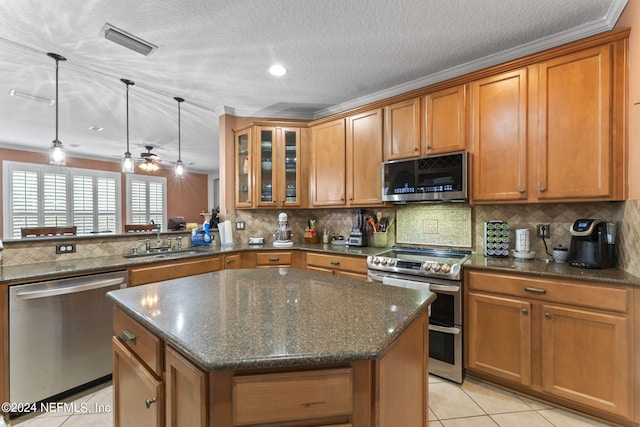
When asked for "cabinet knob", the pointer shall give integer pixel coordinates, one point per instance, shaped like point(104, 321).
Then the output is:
point(547, 315)
point(428, 147)
point(229, 261)
point(543, 189)
point(415, 148)
point(149, 402)
point(525, 311)
point(521, 191)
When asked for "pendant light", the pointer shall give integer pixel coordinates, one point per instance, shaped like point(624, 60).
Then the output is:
point(179, 166)
point(56, 152)
point(128, 164)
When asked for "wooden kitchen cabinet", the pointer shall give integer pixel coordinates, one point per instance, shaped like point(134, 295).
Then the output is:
point(499, 138)
point(553, 131)
point(402, 130)
point(173, 270)
point(243, 170)
point(364, 159)
point(232, 261)
point(445, 121)
point(351, 267)
point(278, 172)
point(186, 391)
point(328, 164)
point(273, 259)
point(565, 341)
point(575, 123)
point(346, 161)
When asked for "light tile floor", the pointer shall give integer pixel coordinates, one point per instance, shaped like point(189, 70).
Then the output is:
point(473, 403)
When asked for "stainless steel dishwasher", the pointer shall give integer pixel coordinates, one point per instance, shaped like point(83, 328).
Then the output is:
point(60, 335)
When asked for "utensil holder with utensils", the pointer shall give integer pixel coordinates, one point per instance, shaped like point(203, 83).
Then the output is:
point(380, 239)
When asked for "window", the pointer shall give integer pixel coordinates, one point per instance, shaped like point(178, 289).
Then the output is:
point(146, 200)
point(43, 196)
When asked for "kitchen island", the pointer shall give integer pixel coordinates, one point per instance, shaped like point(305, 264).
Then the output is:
point(270, 346)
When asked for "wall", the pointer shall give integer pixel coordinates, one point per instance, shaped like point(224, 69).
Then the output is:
point(185, 197)
point(631, 18)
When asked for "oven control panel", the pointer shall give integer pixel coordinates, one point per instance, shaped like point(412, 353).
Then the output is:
point(429, 268)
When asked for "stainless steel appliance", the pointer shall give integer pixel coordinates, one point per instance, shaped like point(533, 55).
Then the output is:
point(60, 335)
point(593, 244)
point(443, 177)
point(439, 270)
point(283, 232)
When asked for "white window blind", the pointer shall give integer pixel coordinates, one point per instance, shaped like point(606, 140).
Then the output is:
point(146, 200)
point(43, 195)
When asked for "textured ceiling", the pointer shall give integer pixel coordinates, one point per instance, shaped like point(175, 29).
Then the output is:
point(215, 54)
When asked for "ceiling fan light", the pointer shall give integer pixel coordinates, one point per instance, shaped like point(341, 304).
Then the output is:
point(148, 166)
point(179, 169)
point(56, 154)
point(128, 164)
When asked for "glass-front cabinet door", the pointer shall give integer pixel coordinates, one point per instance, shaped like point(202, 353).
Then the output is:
point(266, 166)
point(290, 187)
point(243, 169)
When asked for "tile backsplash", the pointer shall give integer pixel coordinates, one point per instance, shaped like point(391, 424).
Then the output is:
point(438, 225)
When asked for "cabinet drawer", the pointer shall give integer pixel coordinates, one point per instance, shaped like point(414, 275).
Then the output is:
point(273, 258)
point(139, 340)
point(156, 273)
point(292, 396)
point(586, 294)
point(337, 262)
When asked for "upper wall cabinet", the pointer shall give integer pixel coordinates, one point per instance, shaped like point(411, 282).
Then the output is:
point(445, 121)
point(499, 137)
point(346, 161)
point(278, 174)
point(575, 144)
point(243, 170)
point(554, 131)
point(268, 166)
point(402, 130)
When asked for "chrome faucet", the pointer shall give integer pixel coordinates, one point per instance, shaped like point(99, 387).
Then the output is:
point(158, 240)
point(147, 245)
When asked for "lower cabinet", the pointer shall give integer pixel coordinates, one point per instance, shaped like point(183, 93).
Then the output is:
point(565, 341)
point(351, 267)
point(173, 270)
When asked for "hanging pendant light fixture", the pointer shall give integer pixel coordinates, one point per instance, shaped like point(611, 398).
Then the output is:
point(56, 152)
point(128, 164)
point(179, 165)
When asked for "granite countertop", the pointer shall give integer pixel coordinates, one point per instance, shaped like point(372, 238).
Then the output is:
point(541, 268)
point(81, 266)
point(264, 318)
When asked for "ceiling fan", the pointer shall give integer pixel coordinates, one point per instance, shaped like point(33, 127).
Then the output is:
point(149, 160)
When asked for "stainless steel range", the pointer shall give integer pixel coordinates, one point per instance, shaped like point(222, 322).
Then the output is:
point(440, 271)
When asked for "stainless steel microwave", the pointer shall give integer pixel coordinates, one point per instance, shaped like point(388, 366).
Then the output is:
point(442, 177)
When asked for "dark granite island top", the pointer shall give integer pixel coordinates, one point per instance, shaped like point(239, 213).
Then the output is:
point(260, 318)
point(276, 346)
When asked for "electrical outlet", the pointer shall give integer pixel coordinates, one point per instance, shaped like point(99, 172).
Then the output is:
point(65, 248)
point(543, 230)
point(240, 225)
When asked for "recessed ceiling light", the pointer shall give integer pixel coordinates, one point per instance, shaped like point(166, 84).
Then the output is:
point(96, 128)
point(14, 92)
point(277, 70)
point(127, 40)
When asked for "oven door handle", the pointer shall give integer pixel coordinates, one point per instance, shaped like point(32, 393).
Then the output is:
point(450, 289)
point(444, 330)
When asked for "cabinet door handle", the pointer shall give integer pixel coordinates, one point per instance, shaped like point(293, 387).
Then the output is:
point(547, 315)
point(274, 258)
point(543, 189)
point(525, 311)
point(149, 402)
point(521, 191)
point(229, 261)
point(535, 290)
point(415, 148)
point(428, 147)
point(335, 262)
point(127, 336)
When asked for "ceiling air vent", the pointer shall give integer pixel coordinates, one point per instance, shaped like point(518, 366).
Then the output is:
point(127, 40)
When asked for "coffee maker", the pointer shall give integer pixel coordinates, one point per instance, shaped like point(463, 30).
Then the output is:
point(358, 235)
point(593, 244)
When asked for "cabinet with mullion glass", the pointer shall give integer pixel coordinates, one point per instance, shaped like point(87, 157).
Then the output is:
point(278, 173)
point(243, 169)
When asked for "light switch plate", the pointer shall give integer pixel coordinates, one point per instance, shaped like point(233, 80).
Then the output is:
point(240, 225)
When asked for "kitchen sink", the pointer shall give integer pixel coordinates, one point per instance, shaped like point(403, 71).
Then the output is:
point(166, 254)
